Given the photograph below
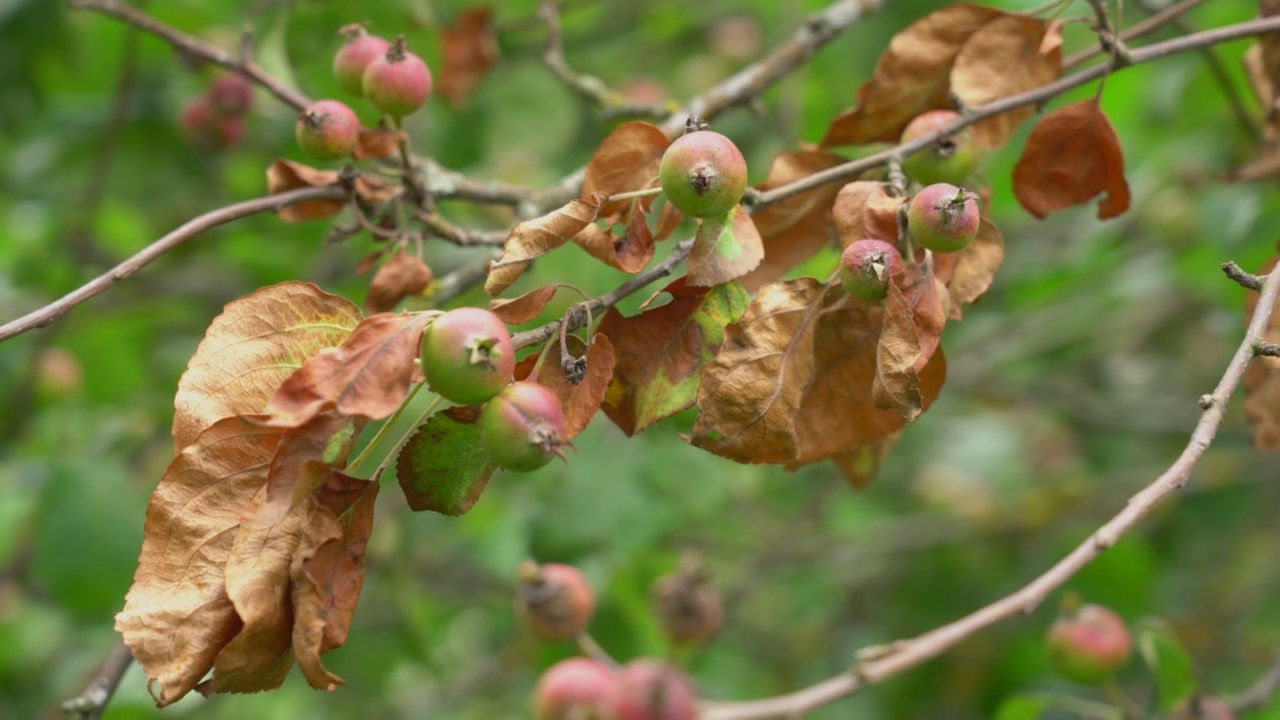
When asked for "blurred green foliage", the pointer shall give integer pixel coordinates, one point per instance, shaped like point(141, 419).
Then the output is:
point(1073, 383)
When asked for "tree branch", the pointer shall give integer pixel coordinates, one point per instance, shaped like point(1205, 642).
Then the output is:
point(1137, 30)
point(1258, 695)
point(1137, 56)
point(92, 703)
point(271, 203)
point(882, 662)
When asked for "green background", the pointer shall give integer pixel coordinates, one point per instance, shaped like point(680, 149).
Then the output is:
point(1072, 383)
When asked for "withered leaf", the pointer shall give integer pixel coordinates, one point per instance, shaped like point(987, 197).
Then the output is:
point(379, 142)
point(581, 401)
point(1004, 57)
point(539, 236)
point(970, 272)
point(401, 276)
point(518, 310)
point(178, 615)
point(903, 349)
point(284, 175)
point(796, 228)
point(629, 253)
point(257, 342)
point(849, 210)
point(1262, 379)
point(662, 352)
point(751, 393)
point(445, 465)
point(725, 248)
point(367, 376)
point(880, 215)
point(304, 460)
point(838, 412)
point(1071, 157)
point(626, 160)
point(470, 49)
point(912, 76)
point(327, 572)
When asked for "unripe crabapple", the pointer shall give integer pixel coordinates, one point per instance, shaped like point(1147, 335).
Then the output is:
point(231, 95)
point(703, 174)
point(467, 355)
point(554, 601)
point(328, 130)
point(573, 689)
point(354, 58)
point(397, 82)
point(524, 427)
point(867, 267)
point(208, 130)
point(943, 217)
point(951, 160)
point(1089, 645)
point(648, 689)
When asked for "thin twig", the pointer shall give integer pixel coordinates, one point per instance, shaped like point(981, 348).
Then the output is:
point(440, 226)
point(1137, 30)
point(886, 661)
point(271, 203)
point(1246, 279)
point(91, 703)
point(1137, 56)
point(595, 650)
point(1258, 695)
point(539, 335)
point(449, 287)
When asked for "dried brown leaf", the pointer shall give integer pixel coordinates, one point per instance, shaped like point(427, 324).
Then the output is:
point(518, 310)
point(1004, 57)
point(376, 190)
point(626, 160)
point(751, 393)
point(970, 272)
point(912, 76)
point(178, 615)
point(880, 215)
point(470, 49)
point(304, 460)
point(367, 376)
point(284, 175)
point(539, 236)
point(379, 142)
point(1071, 157)
point(796, 228)
point(581, 401)
point(662, 352)
point(1262, 378)
point(725, 248)
point(911, 329)
point(401, 276)
point(629, 253)
point(849, 211)
point(257, 342)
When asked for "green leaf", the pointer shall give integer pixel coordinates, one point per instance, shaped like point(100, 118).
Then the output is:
point(445, 466)
point(1023, 707)
point(1169, 662)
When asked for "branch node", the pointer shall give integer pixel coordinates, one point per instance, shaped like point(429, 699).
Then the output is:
point(1262, 348)
point(1206, 401)
point(1245, 279)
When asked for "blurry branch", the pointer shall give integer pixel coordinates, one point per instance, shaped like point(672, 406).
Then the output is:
point(1137, 30)
point(613, 103)
point(1247, 280)
point(881, 662)
point(440, 226)
point(195, 46)
point(1220, 75)
point(214, 218)
point(577, 319)
point(1258, 695)
point(461, 280)
point(1137, 56)
point(90, 704)
point(752, 81)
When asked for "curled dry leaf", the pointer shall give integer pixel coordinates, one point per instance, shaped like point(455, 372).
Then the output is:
point(379, 142)
point(1004, 57)
point(1071, 157)
point(880, 215)
point(662, 352)
point(725, 248)
point(284, 175)
point(539, 236)
point(304, 460)
point(912, 76)
point(445, 465)
point(580, 401)
point(367, 376)
point(402, 276)
point(968, 273)
point(518, 310)
point(912, 326)
point(629, 253)
point(256, 343)
point(626, 160)
point(795, 229)
point(751, 393)
point(1262, 380)
point(849, 210)
point(470, 49)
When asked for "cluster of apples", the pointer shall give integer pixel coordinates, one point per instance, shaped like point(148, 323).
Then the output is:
point(556, 603)
point(942, 216)
point(396, 81)
point(215, 120)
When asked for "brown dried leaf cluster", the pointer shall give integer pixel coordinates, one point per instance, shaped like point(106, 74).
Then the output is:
point(522, 309)
point(976, 53)
point(379, 142)
point(796, 228)
point(402, 275)
point(539, 236)
point(284, 175)
point(470, 49)
point(1072, 156)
